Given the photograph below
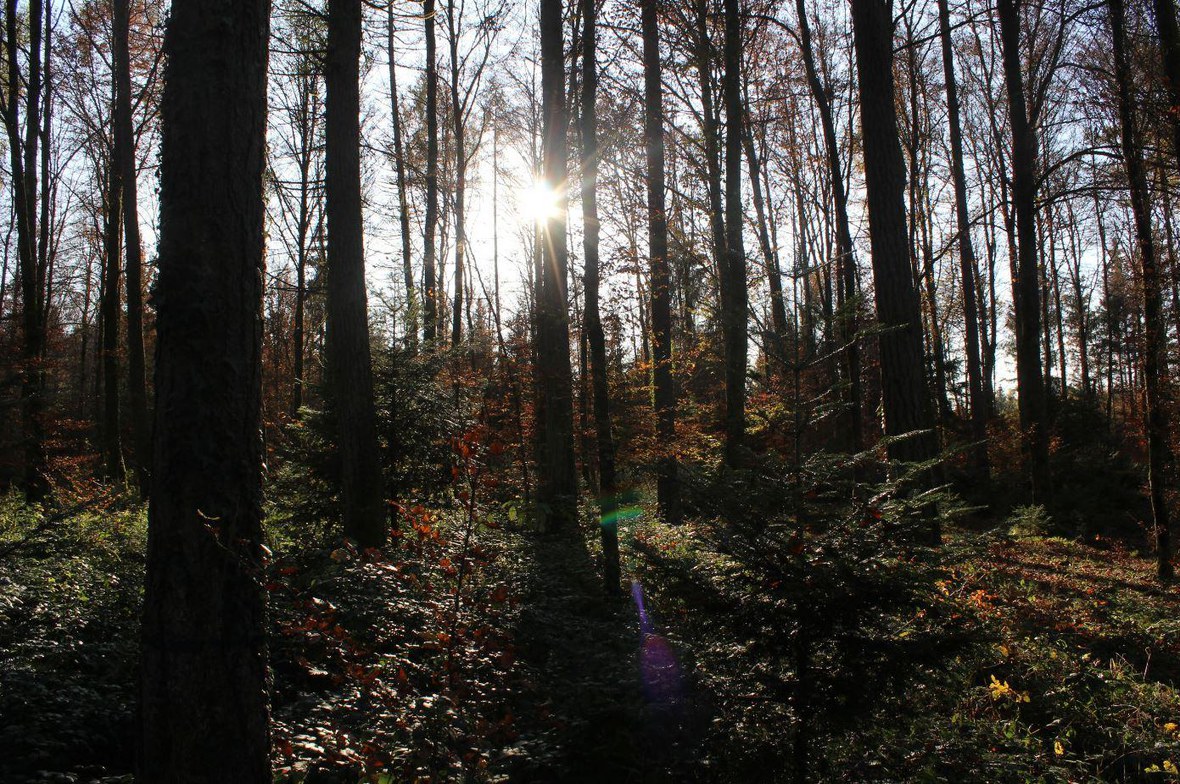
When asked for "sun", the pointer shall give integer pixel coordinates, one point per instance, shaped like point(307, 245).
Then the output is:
point(540, 202)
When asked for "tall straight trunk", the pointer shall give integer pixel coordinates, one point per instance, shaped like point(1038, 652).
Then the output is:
point(112, 437)
point(1170, 238)
point(668, 484)
point(734, 287)
point(124, 133)
point(306, 234)
point(203, 688)
point(1026, 291)
point(1046, 323)
point(967, 267)
point(1169, 32)
point(558, 482)
point(906, 400)
point(846, 258)
point(710, 132)
point(47, 240)
point(1154, 330)
point(430, 219)
point(592, 318)
point(298, 339)
point(31, 272)
point(349, 363)
point(399, 164)
point(460, 177)
point(1059, 311)
point(1109, 314)
point(1083, 315)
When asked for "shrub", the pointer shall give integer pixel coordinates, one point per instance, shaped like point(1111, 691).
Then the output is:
point(416, 420)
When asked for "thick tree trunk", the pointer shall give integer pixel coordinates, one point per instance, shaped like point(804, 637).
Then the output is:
point(1169, 32)
point(203, 697)
point(1155, 332)
point(430, 219)
point(1026, 290)
point(558, 481)
point(399, 164)
point(668, 485)
point(906, 400)
point(592, 319)
point(734, 287)
point(24, 196)
point(349, 362)
point(127, 170)
point(967, 267)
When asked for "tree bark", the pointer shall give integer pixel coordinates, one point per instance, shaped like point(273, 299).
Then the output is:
point(846, 256)
point(112, 436)
point(460, 177)
point(592, 318)
point(203, 695)
point(1169, 32)
point(710, 134)
point(430, 219)
point(967, 267)
point(668, 485)
point(734, 287)
point(906, 400)
point(349, 361)
point(558, 481)
point(124, 133)
point(1026, 291)
point(1155, 332)
point(399, 164)
point(32, 274)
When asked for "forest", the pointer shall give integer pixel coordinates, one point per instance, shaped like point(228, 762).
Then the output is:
point(589, 391)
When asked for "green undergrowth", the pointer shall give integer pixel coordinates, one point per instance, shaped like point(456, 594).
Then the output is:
point(472, 649)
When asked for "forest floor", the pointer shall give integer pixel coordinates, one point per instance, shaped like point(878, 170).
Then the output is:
point(471, 650)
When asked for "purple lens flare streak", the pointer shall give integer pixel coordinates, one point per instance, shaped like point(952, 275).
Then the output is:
point(658, 667)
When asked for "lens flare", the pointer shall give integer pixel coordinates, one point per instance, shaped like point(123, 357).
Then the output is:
point(658, 668)
point(540, 202)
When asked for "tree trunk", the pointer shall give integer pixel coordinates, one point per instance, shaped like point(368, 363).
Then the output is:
point(349, 362)
point(734, 286)
point(430, 220)
point(558, 481)
point(1026, 281)
point(112, 437)
point(846, 257)
point(668, 485)
point(399, 163)
point(203, 697)
point(967, 267)
point(1155, 332)
point(906, 400)
point(710, 134)
point(24, 196)
point(1169, 32)
point(460, 177)
point(125, 165)
point(592, 319)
